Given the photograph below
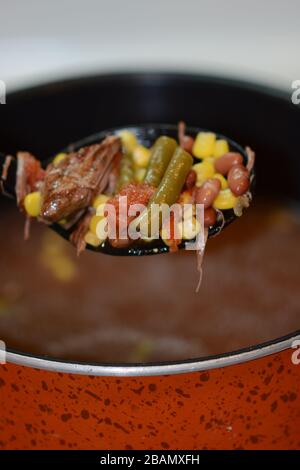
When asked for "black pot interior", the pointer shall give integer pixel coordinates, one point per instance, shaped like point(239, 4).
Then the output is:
point(47, 118)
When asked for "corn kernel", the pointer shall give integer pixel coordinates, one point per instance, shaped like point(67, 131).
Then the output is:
point(100, 199)
point(94, 222)
point(63, 269)
point(139, 174)
point(101, 210)
point(141, 156)
point(59, 158)
point(210, 160)
point(54, 257)
point(225, 200)
point(102, 229)
point(204, 145)
point(92, 239)
point(33, 203)
point(204, 171)
point(190, 228)
point(147, 239)
point(96, 229)
point(128, 140)
point(185, 197)
point(221, 147)
point(222, 179)
point(188, 210)
point(165, 234)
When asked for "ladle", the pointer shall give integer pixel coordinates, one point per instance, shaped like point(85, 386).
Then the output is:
point(146, 135)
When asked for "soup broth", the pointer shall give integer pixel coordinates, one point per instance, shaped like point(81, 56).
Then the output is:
point(100, 308)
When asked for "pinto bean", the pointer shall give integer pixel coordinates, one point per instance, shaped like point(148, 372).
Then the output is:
point(223, 164)
point(210, 217)
point(187, 143)
point(207, 193)
point(190, 180)
point(238, 180)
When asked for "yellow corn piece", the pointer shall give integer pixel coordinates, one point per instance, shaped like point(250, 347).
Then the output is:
point(185, 197)
point(54, 257)
point(94, 222)
point(92, 239)
point(210, 160)
point(102, 229)
point(147, 239)
point(225, 200)
point(204, 145)
point(100, 199)
point(128, 140)
point(188, 210)
point(33, 203)
point(221, 147)
point(142, 351)
point(139, 174)
point(222, 179)
point(101, 210)
point(96, 230)
point(190, 228)
point(59, 158)
point(98, 223)
point(141, 156)
point(204, 171)
point(165, 235)
point(63, 269)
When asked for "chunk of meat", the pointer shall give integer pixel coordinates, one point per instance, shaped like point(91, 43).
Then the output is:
point(78, 234)
point(5, 169)
point(29, 176)
point(185, 141)
point(135, 194)
point(114, 174)
point(71, 185)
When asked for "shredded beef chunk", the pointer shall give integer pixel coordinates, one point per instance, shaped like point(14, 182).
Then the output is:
point(71, 185)
point(77, 236)
point(6, 165)
point(30, 175)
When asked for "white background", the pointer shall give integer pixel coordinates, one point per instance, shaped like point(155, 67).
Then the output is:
point(255, 40)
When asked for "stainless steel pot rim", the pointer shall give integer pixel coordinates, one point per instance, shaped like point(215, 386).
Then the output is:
point(154, 369)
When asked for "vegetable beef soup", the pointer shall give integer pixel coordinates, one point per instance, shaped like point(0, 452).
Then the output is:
point(120, 309)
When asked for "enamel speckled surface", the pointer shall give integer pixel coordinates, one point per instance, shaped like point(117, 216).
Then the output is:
point(255, 405)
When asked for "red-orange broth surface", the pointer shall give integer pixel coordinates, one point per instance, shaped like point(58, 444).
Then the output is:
point(118, 309)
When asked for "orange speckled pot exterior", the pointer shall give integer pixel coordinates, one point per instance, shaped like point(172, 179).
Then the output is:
point(250, 405)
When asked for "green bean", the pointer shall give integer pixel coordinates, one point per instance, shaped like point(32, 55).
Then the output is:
point(171, 184)
point(173, 180)
point(126, 174)
point(161, 155)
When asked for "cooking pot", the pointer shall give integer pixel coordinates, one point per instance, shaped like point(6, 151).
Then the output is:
point(243, 399)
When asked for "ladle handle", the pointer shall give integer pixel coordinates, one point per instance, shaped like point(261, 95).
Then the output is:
point(8, 171)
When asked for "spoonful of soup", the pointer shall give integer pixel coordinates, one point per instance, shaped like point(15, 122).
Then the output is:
point(81, 192)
